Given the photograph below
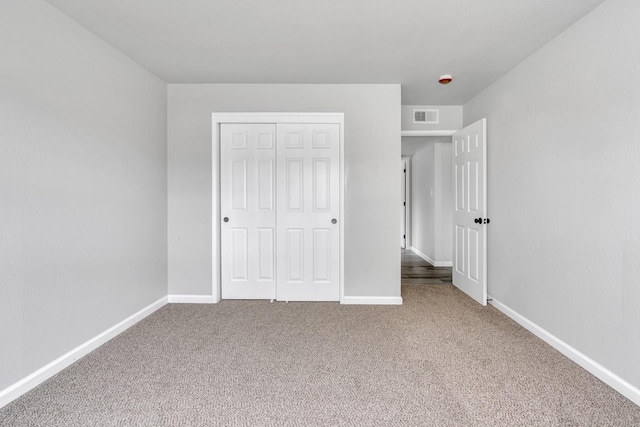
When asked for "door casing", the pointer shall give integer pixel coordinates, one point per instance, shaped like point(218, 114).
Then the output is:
point(403, 208)
point(276, 118)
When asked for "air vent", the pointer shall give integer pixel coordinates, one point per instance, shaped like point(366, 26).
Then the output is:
point(426, 116)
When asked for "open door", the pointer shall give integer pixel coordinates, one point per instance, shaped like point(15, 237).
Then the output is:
point(470, 211)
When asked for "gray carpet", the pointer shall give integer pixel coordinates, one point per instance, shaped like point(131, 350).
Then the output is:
point(438, 360)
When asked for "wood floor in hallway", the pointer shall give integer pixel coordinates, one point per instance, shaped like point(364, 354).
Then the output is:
point(417, 271)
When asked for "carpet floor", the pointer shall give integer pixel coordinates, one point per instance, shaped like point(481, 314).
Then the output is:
point(440, 359)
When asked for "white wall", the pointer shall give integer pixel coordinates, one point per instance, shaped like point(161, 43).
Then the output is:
point(564, 187)
point(372, 151)
point(432, 200)
point(444, 203)
point(423, 203)
point(82, 187)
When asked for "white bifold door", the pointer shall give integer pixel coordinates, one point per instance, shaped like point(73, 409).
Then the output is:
point(279, 200)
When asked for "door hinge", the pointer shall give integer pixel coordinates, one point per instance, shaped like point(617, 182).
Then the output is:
point(404, 203)
point(404, 236)
point(405, 171)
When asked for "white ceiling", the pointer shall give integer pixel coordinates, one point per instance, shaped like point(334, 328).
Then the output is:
point(411, 42)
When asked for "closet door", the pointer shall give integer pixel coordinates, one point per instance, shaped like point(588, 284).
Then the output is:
point(248, 211)
point(308, 243)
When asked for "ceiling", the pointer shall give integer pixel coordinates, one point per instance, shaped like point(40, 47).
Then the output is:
point(411, 42)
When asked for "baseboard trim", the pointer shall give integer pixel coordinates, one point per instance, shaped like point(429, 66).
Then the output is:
point(36, 378)
point(443, 264)
point(423, 256)
point(620, 385)
point(191, 299)
point(372, 300)
point(430, 261)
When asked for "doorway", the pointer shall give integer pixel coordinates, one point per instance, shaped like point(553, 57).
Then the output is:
point(426, 259)
point(461, 190)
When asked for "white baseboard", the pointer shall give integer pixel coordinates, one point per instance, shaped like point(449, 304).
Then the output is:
point(443, 264)
point(372, 300)
point(36, 378)
point(620, 385)
point(430, 261)
point(423, 256)
point(191, 299)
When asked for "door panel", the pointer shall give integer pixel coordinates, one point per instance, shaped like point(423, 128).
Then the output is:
point(460, 265)
point(266, 254)
point(321, 255)
point(239, 184)
point(308, 157)
point(321, 183)
point(294, 185)
point(240, 253)
point(294, 255)
point(266, 175)
point(470, 242)
point(247, 199)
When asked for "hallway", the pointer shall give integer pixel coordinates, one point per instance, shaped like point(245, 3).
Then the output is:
point(416, 271)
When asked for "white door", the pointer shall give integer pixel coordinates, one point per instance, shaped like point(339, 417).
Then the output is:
point(248, 211)
point(403, 207)
point(308, 254)
point(470, 211)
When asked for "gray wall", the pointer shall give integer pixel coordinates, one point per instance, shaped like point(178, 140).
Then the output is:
point(444, 202)
point(82, 187)
point(423, 205)
point(432, 200)
point(372, 152)
point(564, 187)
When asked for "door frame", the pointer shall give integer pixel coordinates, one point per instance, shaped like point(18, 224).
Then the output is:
point(276, 118)
point(403, 194)
point(407, 189)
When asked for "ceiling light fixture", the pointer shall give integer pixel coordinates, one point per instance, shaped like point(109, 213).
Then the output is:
point(445, 79)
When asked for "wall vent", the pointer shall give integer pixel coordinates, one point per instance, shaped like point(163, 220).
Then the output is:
point(426, 116)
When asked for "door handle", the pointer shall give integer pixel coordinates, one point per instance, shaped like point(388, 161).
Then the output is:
point(333, 221)
point(226, 219)
point(478, 220)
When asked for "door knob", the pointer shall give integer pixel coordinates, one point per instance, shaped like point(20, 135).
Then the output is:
point(333, 221)
point(226, 219)
point(481, 221)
